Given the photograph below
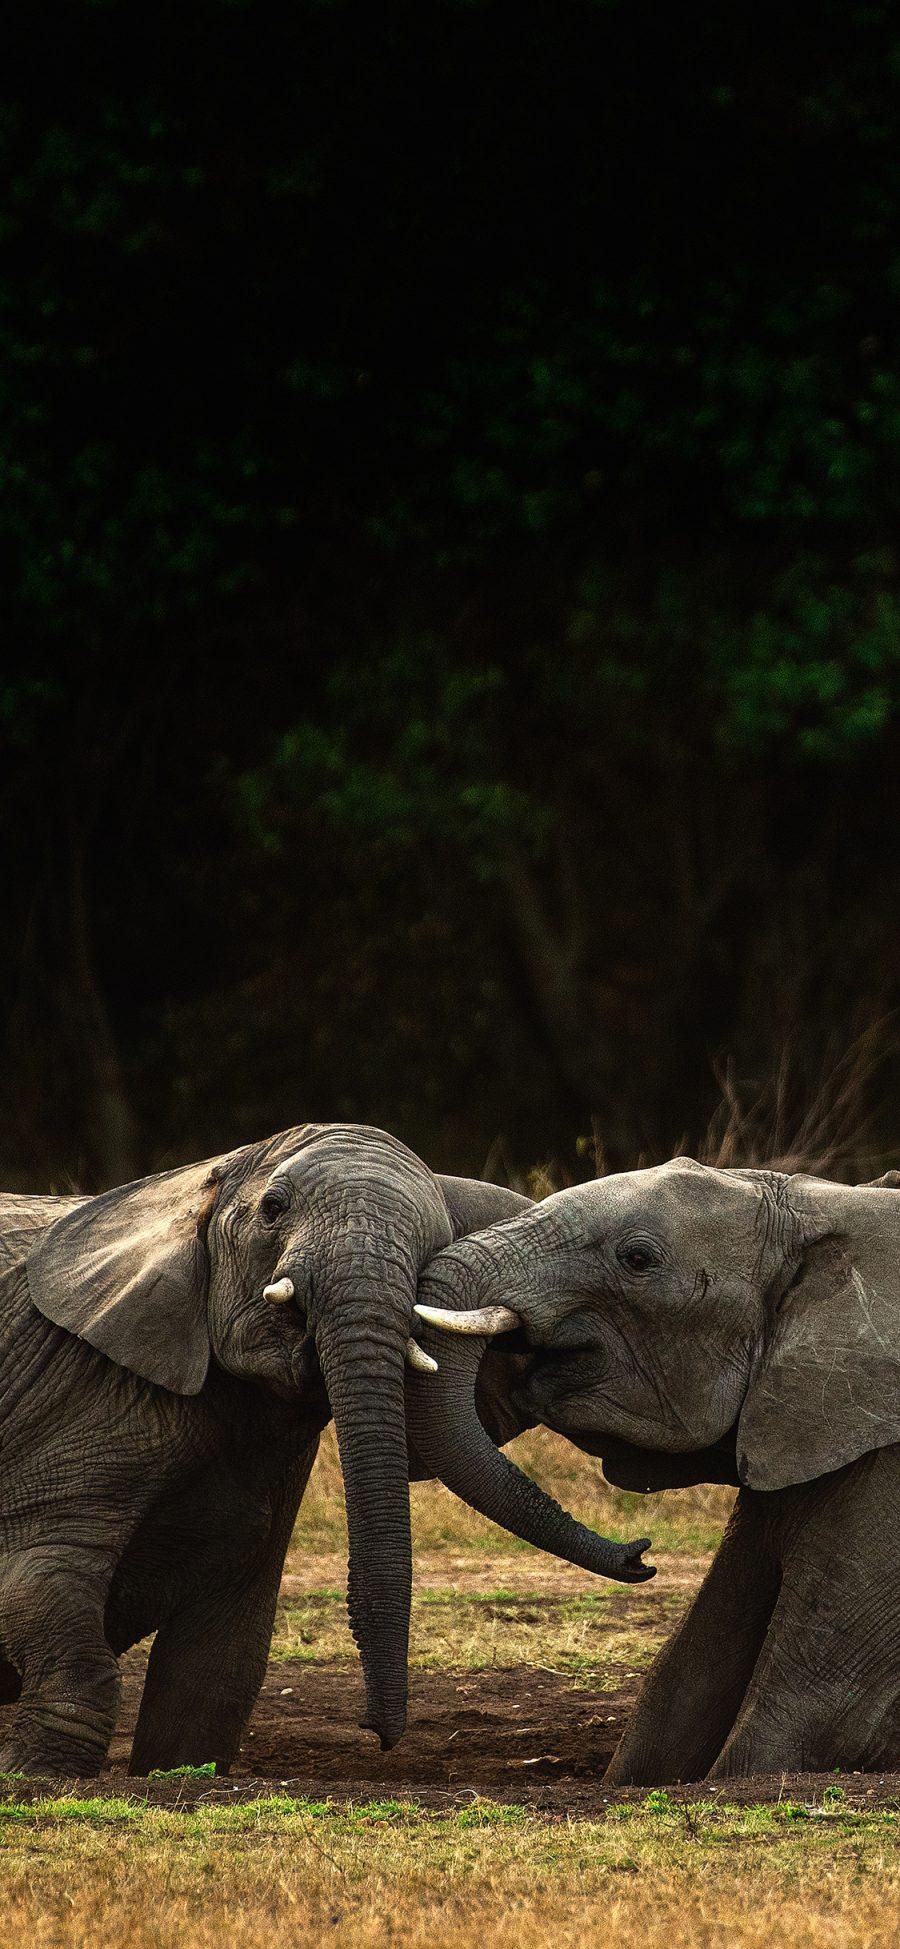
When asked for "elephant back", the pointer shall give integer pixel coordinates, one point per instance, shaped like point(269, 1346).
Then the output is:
point(22, 1221)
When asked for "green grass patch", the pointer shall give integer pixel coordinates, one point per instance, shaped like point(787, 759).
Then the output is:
point(183, 1772)
point(96, 1811)
point(646, 1819)
point(491, 1813)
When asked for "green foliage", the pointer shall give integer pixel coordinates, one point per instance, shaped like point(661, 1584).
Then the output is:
point(414, 571)
point(204, 1772)
point(758, 384)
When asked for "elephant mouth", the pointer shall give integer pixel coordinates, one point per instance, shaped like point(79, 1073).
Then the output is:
point(550, 1382)
point(502, 1385)
point(522, 1385)
point(308, 1379)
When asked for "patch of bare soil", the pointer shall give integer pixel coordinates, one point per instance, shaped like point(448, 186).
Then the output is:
point(524, 1734)
point(493, 1733)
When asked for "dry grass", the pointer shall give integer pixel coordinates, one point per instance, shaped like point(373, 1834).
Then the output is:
point(680, 1521)
point(801, 1115)
point(792, 1124)
point(586, 1636)
point(481, 1598)
point(280, 1872)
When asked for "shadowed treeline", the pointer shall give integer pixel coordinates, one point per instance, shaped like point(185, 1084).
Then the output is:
point(452, 620)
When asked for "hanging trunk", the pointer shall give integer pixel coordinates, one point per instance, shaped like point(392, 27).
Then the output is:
point(365, 1388)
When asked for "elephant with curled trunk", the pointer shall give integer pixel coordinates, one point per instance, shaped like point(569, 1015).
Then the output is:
point(691, 1324)
point(169, 1353)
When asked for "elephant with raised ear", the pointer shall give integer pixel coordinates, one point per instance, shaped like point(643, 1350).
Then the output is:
point(689, 1324)
point(169, 1352)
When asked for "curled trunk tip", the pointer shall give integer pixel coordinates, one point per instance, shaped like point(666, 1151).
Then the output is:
point(444, 1426)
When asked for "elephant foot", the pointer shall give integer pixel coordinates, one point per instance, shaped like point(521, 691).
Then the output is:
point(52, 1761)
point(64, 1739)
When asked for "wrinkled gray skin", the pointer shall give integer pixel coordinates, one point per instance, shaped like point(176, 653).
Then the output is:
point(691, 1324)
point(159, 1419)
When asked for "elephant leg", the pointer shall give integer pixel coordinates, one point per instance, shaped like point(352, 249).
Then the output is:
point(51, 1623)
point(694, 1688)
point(826, 1688)
point(209, 1657)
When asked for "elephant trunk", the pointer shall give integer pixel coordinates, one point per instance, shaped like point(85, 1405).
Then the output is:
point(444, 1427)
point(364, 1370)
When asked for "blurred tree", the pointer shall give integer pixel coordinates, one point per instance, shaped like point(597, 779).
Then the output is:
point(448, 514)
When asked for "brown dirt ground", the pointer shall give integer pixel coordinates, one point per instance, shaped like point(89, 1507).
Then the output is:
point(522, 1734)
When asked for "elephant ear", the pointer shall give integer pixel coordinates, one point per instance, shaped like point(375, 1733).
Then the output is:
point(474, 1205)
point(828, 1387)
point(128, 1273)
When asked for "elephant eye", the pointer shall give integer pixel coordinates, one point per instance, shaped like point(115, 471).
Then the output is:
point(638, 1256)
point(271, 1206)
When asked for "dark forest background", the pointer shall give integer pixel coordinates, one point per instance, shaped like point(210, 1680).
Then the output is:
point(451, 576)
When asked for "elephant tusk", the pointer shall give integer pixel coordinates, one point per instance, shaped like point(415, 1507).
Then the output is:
point(280, 1293)
point(486, 1320)
point(419, 1359)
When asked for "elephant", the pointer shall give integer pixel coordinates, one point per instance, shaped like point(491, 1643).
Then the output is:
point(693, 1324)
point(169, 1353)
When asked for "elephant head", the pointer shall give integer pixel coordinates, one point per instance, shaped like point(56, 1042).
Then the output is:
point(277, 1262)
point(702, 1313)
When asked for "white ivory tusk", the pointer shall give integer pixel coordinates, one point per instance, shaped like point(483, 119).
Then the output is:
point(483, 1319)
point(280, 1293)
point(419, 1359)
